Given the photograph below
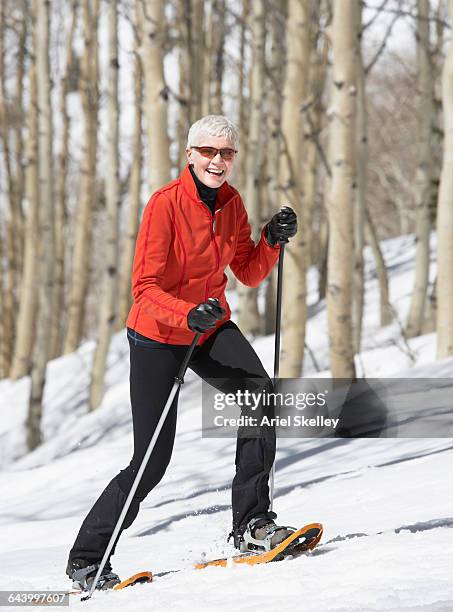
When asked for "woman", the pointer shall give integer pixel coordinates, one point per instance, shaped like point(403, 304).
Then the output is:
point(191, 230)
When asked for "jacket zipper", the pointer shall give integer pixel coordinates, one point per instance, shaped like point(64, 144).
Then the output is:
point(213, 226)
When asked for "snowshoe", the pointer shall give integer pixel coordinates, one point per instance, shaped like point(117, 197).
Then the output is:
point(82, 573)
point(262, 533)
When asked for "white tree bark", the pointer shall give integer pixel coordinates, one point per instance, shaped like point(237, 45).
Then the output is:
point(294, 308)
point(342, 194)
point(276, 66)
point(26, 319)
point(445, 216)
point(184, 94)
point(197, 57)
point(107, 305)
point(423, 178)
point(89, 76)
point(46, 226)
point(156, 94)
point(11, 217)
point(242, 95)
point(385, 308)
point(133, 221)
point(56, 338)
point(360, 201)
point(249, 318)
point(218, 57)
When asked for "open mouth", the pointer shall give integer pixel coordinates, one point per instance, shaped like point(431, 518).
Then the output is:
point(215, 172)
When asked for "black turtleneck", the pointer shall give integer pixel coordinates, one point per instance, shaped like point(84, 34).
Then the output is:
point(207, 194)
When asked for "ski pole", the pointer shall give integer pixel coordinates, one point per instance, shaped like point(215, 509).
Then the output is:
point(179, 379)
point(277, 350)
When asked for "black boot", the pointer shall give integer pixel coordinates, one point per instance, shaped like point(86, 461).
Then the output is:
point(82, 573)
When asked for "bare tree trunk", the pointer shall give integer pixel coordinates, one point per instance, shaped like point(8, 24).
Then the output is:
point(429, 325)
point(89, 71)
point(327, 186)
point(243, 100)
point(3, 359)
point(294, 308)
point(424, 171)
point(27, 315)
point(445, 216)
point(323, 257)
point(156, 94)
point(56, 338)
point(360, 201)
point(46, 226)
point(183, 55)
point(125, 295)
point(313, 124)
point(384, 302)
point(213, 60)
point(218, 57)
point(276, 73)
point(107, 309)
point(197, 57)
point(342, 194)
point(249, 318)
point(12, 221)
point(209, 60)
point(18, 137)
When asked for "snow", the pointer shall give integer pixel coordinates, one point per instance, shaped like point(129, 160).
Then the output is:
point(386, 504)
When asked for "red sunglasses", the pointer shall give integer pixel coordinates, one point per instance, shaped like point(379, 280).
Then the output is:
point(210, 152)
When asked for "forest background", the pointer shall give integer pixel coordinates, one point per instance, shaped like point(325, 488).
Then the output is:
point(345, 110)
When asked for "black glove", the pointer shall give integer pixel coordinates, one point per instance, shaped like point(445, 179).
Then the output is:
point(204, 316)
point(282, 226)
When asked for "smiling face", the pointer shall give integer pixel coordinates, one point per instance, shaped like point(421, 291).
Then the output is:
point(212, 172)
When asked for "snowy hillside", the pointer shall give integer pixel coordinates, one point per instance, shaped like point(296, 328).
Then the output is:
point(386, 504)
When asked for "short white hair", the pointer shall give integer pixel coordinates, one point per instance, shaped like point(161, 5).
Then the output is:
point(212, 125)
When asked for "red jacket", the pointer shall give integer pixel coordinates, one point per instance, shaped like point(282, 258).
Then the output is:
point(181, 254)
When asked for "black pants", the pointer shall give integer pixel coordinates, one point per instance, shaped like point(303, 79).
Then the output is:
point(226, 355)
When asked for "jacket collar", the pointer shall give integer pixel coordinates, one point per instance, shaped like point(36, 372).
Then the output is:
point(224, 194)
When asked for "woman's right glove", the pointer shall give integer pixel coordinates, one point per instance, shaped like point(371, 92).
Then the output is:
point(204, 316)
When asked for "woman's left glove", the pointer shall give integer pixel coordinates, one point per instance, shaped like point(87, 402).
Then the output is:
point(282, 226)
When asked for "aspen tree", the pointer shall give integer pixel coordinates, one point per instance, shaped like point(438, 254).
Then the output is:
point(3, 360)
point(61, 213)
point(11, 217)
point(26, 318)
point(208, 63)
point(89, 77)
point(445, 216)
point(360, 199)
point(107, 304)
point(183, 59)
point(312, 127)
point(46, 225)
point(385, 308)
point(437, 59)
point(218, 57)
point(213, 62)
point(133, 220)
point(242, 94)
point(342, 193)
point(275, 68)
point(152, 15)
point(249, 319)
point(424, 171)
point(197, 56)
point(291, 169)
point(18, 147)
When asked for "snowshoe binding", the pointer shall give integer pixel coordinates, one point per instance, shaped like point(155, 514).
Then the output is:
point(82, 573)
point(263, 534)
